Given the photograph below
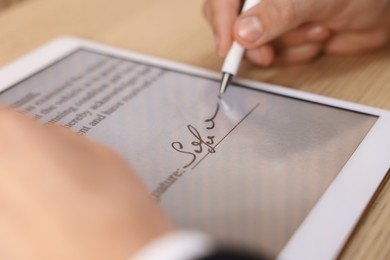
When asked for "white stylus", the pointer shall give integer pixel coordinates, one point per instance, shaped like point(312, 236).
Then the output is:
point(235, 54)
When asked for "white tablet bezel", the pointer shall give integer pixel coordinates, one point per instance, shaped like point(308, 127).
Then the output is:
point(327, 227)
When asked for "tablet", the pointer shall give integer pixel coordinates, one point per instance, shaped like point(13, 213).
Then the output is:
point(274, 170)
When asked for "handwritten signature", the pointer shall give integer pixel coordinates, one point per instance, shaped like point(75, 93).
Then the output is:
point(200, 143)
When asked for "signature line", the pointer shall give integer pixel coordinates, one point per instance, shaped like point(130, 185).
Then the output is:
point(223, 138)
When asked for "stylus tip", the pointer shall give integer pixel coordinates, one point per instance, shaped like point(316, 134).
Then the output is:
point(226, 78)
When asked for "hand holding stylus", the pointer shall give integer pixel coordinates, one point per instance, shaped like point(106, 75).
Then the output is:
point(298, 31)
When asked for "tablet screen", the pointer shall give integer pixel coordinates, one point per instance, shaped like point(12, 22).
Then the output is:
point(246, 168)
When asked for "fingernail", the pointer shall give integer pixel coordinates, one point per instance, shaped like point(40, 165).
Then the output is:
point(250, 28)
point(318, 33)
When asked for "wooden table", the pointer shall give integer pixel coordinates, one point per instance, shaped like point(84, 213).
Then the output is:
point(175, 29)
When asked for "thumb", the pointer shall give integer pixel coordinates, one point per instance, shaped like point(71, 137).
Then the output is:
point(271, 19)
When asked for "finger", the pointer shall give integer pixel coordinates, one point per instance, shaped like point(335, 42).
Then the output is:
point(221, 15)
point(304, 34)
point(262, 56)
point(361, 15)
point(17, 138)
point(299, 54)
point(60, 129)
point(64, 138)
point(271, 19)
point(14, 123)
point(358, 42)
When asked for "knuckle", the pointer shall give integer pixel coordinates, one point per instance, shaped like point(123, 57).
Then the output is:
point(286, 11)
point(381, 39)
